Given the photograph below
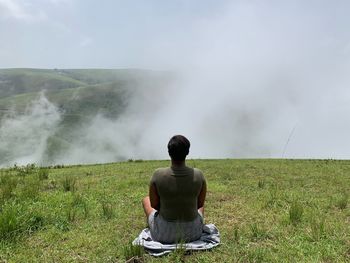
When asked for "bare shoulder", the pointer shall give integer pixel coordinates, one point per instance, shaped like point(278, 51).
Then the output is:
point(198, 173)
point(161, 171)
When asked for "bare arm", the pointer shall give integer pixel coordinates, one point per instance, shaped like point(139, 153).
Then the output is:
point(201, 197)
point(154, 197)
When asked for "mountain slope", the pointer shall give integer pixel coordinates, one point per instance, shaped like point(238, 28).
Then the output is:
point(78, 96)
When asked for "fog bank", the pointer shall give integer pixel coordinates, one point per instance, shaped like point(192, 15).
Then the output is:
point(249, 74)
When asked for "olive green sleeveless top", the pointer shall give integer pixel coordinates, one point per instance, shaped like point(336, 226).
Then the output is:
point(178, 189)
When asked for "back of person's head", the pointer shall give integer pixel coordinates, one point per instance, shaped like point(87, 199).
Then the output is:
point(178, 147)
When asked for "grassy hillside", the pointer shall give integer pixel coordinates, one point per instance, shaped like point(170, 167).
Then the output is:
point(78, 94)
point(20, 81)
point(76, 91)
point(266, 211)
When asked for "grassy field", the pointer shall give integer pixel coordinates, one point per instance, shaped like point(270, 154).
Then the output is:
point(266, 211)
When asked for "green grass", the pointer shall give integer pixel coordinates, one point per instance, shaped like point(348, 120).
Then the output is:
point(296, 211)
point(266, 211)
point(68, 183)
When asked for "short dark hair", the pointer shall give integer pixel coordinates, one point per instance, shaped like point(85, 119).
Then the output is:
point(178, 147)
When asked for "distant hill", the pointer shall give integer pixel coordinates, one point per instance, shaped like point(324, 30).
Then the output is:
point(79, 95)
point(104, 89)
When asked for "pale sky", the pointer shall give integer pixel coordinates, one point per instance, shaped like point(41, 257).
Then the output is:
point(157, 34)
point(85, 33)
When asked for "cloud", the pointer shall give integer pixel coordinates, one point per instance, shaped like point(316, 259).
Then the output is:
point(23, 138)
point(12, 9)
point(59, 2)
point(85, 41)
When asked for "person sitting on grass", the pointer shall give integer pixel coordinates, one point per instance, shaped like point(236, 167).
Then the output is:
point(175, 205)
